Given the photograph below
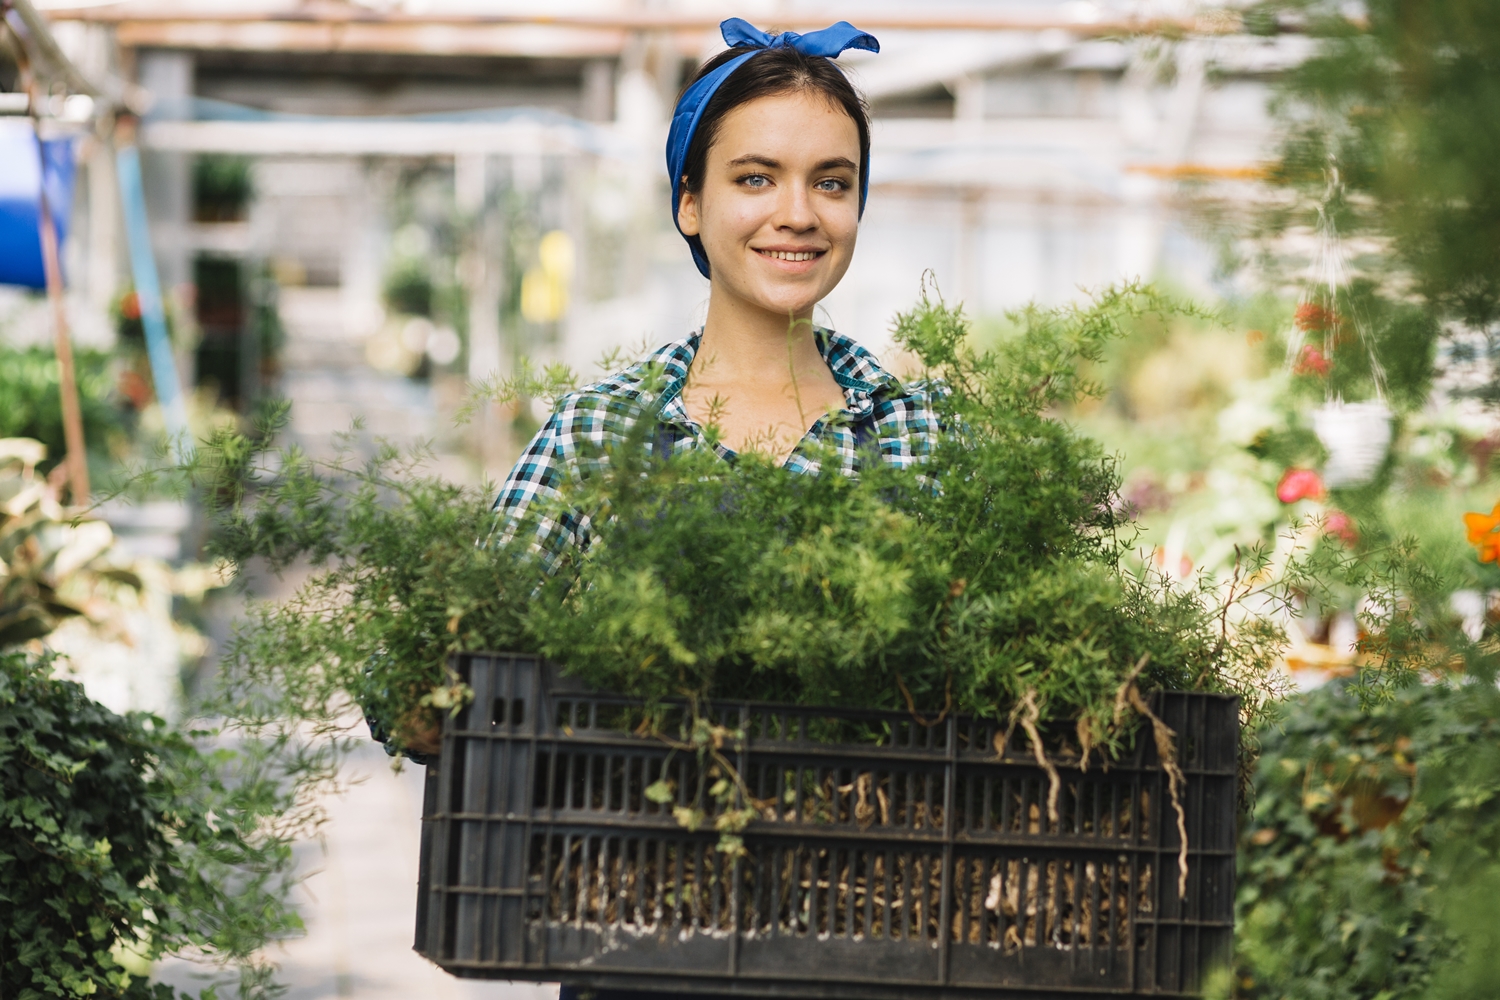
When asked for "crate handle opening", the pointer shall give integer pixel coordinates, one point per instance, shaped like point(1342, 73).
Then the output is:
point(517, 712)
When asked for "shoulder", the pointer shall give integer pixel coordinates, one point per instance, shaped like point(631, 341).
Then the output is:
point(582, 420)
point(851, 361)
point(636, 386)
point(612, 402)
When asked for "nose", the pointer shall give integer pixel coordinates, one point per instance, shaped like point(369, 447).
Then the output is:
point(794, 210)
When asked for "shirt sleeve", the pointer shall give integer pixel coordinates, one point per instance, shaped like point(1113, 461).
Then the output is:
point(907, 425)
point(528, 508)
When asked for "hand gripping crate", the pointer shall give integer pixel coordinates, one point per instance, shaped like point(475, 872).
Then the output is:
point(922, 867)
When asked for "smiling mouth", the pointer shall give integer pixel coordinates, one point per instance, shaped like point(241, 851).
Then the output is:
point(791, 255)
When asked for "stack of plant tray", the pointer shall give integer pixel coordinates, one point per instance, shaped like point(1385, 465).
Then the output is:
point(892, 859)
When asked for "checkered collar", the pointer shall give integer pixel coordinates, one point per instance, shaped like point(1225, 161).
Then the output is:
point(852, 367)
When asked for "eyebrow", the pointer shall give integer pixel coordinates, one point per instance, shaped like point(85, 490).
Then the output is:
point(766, 161)
point(836, 162)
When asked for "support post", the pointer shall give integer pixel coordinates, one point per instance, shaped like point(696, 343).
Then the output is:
point(76, 458)
point(148, 294)
point(72, 412)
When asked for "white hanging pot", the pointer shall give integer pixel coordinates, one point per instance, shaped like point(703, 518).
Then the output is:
point(1357, 436)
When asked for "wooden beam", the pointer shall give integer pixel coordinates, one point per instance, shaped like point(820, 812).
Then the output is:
point(397, 38)
point(76, 459)
point(67, 377)
point(347, 28)
point(1216, 23)
point(379, 137)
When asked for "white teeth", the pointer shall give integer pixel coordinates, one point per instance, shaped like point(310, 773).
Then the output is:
point(787, 255)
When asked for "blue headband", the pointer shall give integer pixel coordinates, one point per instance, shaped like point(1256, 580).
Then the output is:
point(741, 34)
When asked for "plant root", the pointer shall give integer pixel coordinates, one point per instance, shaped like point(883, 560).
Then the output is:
point(911, 704)
point(1166, 750)
point(1029, 714)
point(1086, 743)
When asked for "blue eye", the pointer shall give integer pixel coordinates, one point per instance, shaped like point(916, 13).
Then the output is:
point(831, 184)
point(755, 180)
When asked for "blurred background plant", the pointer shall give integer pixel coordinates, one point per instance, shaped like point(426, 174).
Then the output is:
point(1371, 857)
point(33, 406)
point(52, 568)
point(424, 294)
point(222, 188)
point(1369, 862)
point(127, 836)
point(127, 839)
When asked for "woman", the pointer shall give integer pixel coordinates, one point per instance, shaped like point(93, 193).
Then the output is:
point(768, 157)
point(769, 160)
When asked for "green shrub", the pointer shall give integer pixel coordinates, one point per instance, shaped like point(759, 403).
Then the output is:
point(992, 580)
point(409, 289)
point(33, 405)
point(222, 188)
point(120, 841)
point(987, 578)
point(1370, 866)
point(988, 581)
point(401, 584)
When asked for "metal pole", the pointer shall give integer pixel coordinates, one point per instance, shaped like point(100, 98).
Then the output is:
point(72, 412)
point(148, 294)
point(37, 33)
point(67, 380)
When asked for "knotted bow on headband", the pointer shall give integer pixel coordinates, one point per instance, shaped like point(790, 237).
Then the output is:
point(741, 34)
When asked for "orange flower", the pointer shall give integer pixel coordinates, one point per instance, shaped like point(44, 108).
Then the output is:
point(1484, 534)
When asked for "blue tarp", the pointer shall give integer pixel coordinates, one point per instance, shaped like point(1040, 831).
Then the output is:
point(20, 199)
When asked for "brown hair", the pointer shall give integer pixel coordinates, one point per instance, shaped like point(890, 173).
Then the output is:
point(771, 73)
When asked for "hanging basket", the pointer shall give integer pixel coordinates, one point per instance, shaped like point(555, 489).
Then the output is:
point(1357, 436)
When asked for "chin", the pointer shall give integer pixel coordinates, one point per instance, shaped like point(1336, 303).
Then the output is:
point(787, 304)
point(794, 296)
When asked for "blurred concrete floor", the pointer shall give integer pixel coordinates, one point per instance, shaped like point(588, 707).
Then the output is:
point(358, 899)
point(359, 890)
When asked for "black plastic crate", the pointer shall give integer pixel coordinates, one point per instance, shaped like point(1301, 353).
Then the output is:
point(925, 866)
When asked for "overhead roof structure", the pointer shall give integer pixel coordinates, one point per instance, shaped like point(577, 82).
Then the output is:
point(30, 29)
point(46, 58)
point(562, 29)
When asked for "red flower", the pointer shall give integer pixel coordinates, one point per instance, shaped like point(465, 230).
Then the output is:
point(1311, 362)
point(130, 306)
point(1310, 317)
point(1341, 526)
point(1299, 484)
point(135, 388)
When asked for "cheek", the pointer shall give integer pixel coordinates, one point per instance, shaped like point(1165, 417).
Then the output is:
point(842, 224)
point(735, 218)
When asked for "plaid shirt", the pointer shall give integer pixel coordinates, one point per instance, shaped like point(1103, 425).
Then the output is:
point(880, 412)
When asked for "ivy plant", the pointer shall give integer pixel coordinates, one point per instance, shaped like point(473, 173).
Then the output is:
point(121, 841)
point(1370, 863)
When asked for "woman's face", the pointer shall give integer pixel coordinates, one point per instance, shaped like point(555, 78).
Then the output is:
point(779, 208)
